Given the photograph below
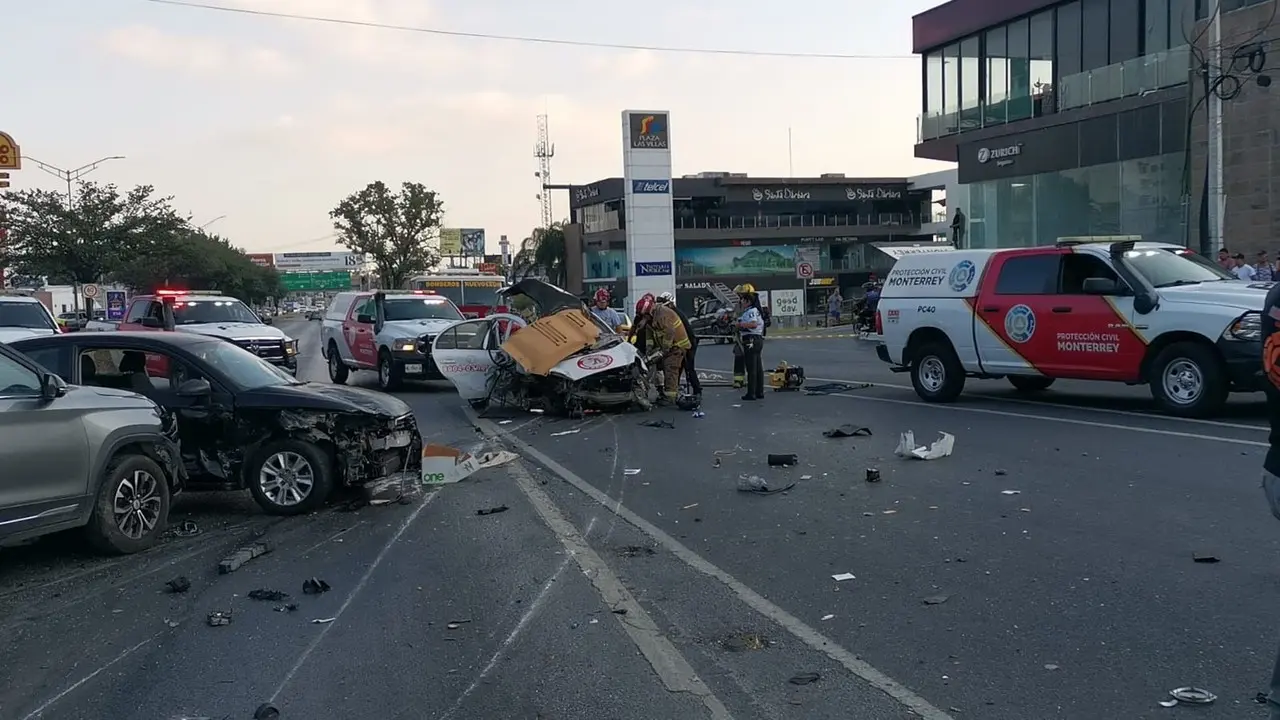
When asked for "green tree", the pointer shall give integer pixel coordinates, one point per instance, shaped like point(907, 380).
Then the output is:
point(88, 238)
point(543, 252)
point(200, 261)
point(393, 230)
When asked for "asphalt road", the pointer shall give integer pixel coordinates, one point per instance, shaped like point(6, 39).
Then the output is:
point(1055, 547)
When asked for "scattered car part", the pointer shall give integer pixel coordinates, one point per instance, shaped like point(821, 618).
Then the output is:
point(846, 430)
point(269, 595)
point(783, 459)
point(178, 585)
point(242, 555)
point(315, 586)
point(873, 475)
point(1192, 695)
point(493, 510)
point(218, 618)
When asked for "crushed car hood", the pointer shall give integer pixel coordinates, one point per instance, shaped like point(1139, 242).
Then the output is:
point(1241, 294)
point(14, 334)
point(326, 398)
point(233, 330)
point(549, 298)
point(414, 328)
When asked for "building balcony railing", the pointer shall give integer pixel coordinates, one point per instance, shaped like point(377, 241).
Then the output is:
point(752, 222)
point(1127, 79)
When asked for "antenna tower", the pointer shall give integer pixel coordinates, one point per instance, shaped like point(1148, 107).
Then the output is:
point(544, 151)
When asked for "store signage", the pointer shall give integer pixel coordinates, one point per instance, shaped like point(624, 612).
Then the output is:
point(652, 269)
point(873, 193)
point(585, 193)
point(650, 187)
point(1002, 156)
point(648, 131)
point(768, 195)
point(822, 282)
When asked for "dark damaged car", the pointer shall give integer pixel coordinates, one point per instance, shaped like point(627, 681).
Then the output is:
point(243, 423)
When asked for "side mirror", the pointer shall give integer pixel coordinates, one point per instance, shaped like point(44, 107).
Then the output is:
point(1101, 286)
point(266, 319)
point(150, 322)
point(364, 319)
point(52, 387)
point(196, 387)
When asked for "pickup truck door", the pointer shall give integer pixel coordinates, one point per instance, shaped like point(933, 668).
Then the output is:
point(1094, 333)
point(1014, 327)
point(360, 336)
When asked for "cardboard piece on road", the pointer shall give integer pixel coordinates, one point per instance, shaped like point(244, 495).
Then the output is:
point(550, 340)
point(443, 465)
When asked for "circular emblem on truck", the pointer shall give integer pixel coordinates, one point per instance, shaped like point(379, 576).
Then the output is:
point(595, 362)
point(961, 275)
point(1020, 323)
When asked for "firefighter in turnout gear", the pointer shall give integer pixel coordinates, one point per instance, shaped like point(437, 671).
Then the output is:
point(739, 366)
point(666, 340)
point(668, 299)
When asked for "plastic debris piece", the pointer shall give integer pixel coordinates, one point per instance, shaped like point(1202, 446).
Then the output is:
point(631, 471)
point(218, 618)
point(873, 475)
point(494, 459)
point(1205, 558)
point(699, 414)
point(185, 529)
point(179, 584)
point(315, 586)
point(1168, 703)
point(936, 599)
point(504, 422)
point(1010, 492)
point(827, 617)
point(805, 678)
point(759, 486)
point(845, 431)
point(566, 432)
point(662, 424)
point(287, 607)
point(1050, 666)
point(323, 621)
point(783, 459)
point(715, 463)
point(806, 477)
point(270, 595)
point(841, 577)
point(266, 711)
point(493, 510)
point(1192, 695)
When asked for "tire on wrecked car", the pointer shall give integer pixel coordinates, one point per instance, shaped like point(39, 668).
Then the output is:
point(124, 476)
point(282, 453)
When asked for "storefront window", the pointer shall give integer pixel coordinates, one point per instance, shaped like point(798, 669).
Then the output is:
point(970, 98)
point(597, 264)
point(1019, 70)
point(997, 77)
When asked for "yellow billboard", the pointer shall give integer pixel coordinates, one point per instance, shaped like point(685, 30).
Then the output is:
point(450, 241)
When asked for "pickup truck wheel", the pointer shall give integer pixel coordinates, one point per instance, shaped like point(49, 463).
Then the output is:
point(338, 371)
point(388, 373)
point(1188, 380)
point(936, 373)
point(132, 507)
point(1029, 383)
point(290, 477)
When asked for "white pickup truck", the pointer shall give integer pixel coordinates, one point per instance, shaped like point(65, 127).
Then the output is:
point(387, 331)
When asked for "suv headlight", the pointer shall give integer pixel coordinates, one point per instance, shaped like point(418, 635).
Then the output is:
point(404, 344)
point(1247, 327)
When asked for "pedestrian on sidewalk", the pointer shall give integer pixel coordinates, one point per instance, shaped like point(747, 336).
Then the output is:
point(834, 301)
point(1271, 465)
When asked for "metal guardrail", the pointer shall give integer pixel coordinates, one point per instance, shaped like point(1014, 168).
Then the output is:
point(749, 222)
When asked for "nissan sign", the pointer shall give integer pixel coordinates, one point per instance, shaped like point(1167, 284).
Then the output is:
point(1002, 155)
point(650, 186)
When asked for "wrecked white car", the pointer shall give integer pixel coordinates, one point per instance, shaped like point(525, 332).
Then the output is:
point(566, 362)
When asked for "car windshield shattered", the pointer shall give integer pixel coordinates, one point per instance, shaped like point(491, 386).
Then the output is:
point(24, 315)
point(396, 309)
point(193, 312)
point(1170, 267)
point(246, 370)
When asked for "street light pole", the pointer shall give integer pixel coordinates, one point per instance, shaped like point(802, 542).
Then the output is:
point(71, 176)
point(220, 217)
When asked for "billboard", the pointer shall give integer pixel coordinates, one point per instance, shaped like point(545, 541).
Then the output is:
point(737, 260)
point(262, 259)
point(318, 261)
point(650, 236)
point(450, 241)
point(472, 241)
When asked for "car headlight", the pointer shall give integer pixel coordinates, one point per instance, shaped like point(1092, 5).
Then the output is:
point(291, 347)
point(405, 344)
point(1247, 327)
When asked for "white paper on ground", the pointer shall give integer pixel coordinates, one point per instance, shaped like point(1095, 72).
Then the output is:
point(906, 444)
point(940, 448)
point(843, 576)
point(631, 471)
point(494, 459)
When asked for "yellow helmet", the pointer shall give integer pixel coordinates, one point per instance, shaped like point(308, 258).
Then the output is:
point(745, 288)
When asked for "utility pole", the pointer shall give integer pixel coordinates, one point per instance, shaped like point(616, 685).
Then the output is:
point(70, 177)
point(1217, 201)
point(544, 151)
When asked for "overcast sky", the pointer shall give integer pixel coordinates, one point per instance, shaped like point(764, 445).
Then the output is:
point(271, 122)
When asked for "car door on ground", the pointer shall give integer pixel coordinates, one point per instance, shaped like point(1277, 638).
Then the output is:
point(43, 448)
point(463, 356)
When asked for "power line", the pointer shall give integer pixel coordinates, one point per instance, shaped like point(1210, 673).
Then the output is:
point(527, 39)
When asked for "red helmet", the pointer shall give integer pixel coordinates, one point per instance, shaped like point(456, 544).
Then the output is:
point(645, 304)
point(602, 295)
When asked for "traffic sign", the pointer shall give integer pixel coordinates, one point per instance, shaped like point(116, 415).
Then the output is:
point(318, 280)
point(90, 291)
point(804, 270)
point(10, 153)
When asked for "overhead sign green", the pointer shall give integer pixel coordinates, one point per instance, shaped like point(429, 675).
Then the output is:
point(318, 280)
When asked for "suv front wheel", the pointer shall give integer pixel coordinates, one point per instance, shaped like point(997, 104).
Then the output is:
point(132, 507)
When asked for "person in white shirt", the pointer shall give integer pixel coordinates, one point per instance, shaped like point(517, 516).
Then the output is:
point(1264, 271)
point(1242, 269)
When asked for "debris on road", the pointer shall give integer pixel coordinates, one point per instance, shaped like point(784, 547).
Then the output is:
point(715, 462)
point(1205, 558)
point(235, 560)
point(171, 623)
point(566, 432)
point(287, 607)
point(743, 642)
point(805, 678)
point(783, 459)
point(266, 711)
point(1010, 492)
point(315, 586)
point(936, 599)
point(699, 414)
point(323, 621)
point(806, 477)
point(844, 576)
point(664, 424)
point(940, 448)
point(1168, 703)
point(495, 459)
point(1001, 472)
point(269, 595)
point(832, 388)
point(636, 551)
point(184, 529)
point(493, 510)
point(1190, 696)
point(455, 624)
point(1050, 666)
point(689, 507)
point(759, 486)
point(827, 617)
point(845, 431)
point(631, 471)
point(179, 584)
point(218, 618)
point(444, 465)
point(873, 475)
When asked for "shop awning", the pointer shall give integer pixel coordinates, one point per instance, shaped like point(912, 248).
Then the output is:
point(900, 250)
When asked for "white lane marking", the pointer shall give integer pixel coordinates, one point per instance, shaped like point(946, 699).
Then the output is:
point(38, 712)
point(364, 580)
point(1042, 404)
point(754, 600)
point(667, 662)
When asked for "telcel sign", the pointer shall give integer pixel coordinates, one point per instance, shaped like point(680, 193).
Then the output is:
point(1002, 155)
point(651, 186)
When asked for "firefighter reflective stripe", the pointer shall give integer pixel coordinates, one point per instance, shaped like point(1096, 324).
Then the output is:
point(668, 330)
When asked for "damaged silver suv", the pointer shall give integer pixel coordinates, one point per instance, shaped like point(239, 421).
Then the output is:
point(244, 423)
point(77, 457)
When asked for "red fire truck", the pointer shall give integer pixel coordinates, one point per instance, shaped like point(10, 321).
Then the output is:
point(474, 292)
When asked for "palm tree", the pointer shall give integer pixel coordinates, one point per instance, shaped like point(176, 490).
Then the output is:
point(543, 250)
